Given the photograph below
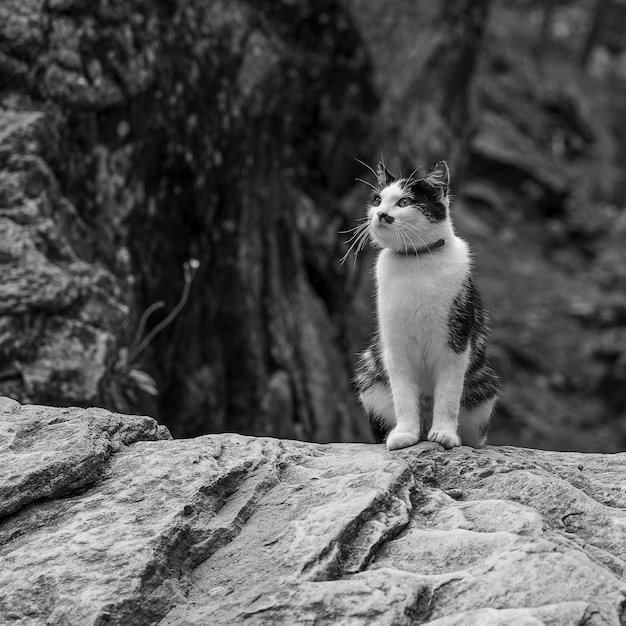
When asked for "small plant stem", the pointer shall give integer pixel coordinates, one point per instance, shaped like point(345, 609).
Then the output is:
point(142, 326)
point(189, 274)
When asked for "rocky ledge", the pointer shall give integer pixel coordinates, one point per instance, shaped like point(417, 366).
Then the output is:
point(107, 520)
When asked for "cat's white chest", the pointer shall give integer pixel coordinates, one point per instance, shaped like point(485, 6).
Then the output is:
point(415, 297)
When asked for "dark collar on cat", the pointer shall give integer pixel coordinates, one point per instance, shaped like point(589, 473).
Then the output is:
point(417, 251)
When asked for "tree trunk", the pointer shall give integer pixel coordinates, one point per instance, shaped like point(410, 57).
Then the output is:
point(595, 27)
point(223, 132)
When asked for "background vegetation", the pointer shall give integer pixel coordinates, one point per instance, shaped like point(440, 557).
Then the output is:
point(201, 155)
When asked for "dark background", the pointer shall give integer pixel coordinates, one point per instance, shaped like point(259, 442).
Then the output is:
point(138, 135)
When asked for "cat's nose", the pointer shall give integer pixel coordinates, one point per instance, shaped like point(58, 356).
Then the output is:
point(384, 217)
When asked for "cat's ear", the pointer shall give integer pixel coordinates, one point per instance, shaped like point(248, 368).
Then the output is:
point(439, 177)
point(384, 176)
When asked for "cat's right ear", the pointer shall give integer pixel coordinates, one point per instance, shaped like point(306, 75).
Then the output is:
point(384, 176)
point(439, 177)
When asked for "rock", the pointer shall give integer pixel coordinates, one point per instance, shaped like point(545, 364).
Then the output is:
point(48, 452)
point(59, 316)
point(121, 526)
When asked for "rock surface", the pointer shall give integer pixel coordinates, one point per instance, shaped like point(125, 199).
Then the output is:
point(59, 314)
point(106, 521)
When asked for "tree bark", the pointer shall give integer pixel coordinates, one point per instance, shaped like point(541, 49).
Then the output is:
point(223, 132)
point(595, 26)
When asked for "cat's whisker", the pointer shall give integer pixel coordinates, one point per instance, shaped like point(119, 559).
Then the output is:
point(404, 238)
point(357, 229)
point(396, 238)
point(345, 256)
point(351, 230)
point(355, 236)
point(362, 241)
point(361, 245)
point(410, 178)
point(367, 183)
point(398, 231)
point(371, 169)
point(419, 236)
point(342, 260)
point(394, 228)
point(360, 219)
point(356, 252)
point(359, 240)
point(411, 242)
point(417, 233)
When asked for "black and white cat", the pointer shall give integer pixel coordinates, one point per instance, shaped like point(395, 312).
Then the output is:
point(425, 374)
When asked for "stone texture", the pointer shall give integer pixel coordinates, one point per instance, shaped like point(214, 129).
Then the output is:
point(47, 452)
point(111, 523)
point(59, 315)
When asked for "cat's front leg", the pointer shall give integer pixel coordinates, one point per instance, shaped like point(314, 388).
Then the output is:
point(447, 397)
point(406, 432)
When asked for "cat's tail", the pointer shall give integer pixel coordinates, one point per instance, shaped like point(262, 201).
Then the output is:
point(372, 385)
point(378, 404)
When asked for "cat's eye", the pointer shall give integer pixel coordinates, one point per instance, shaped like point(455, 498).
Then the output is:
point(404, 202)
point(376, 200)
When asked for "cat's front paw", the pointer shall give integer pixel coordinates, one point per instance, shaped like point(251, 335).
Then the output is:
point(446, 438)
point(397, 440)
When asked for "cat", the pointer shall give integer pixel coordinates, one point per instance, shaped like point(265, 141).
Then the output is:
point(425, 374)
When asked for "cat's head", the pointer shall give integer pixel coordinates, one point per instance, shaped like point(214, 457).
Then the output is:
point(410, 213)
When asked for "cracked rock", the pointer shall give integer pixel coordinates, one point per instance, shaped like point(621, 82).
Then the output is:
point(106, 520)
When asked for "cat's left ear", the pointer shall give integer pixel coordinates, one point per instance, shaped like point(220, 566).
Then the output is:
point(384, 176)
point(439, 177)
